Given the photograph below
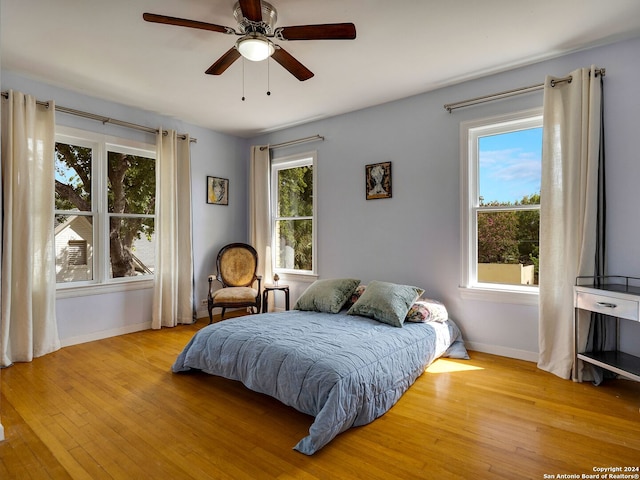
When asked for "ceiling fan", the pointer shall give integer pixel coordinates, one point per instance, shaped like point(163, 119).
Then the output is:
point(256, 27)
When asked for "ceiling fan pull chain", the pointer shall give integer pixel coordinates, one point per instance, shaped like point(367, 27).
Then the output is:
point(268, 76)
point(243, 60)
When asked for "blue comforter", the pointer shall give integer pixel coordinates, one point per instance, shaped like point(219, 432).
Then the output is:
point(343, 370)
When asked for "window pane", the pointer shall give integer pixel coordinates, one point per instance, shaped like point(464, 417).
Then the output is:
point(294, 242)
point(295, 192)
point(131, 247)
point(73, 177)
point(510, 167)
point(74, 248)
point(131, 184)
point(508, 247)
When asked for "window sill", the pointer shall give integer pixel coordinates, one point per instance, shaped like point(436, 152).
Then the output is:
point(102, 289)
point(297, 277)
point(519, 297)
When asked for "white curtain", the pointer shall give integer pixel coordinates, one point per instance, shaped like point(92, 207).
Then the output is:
point(28, 327)
point(260, 211)
point(173, 301)
point(570, 152)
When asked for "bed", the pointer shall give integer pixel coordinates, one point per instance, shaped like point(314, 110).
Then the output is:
point(342, 368)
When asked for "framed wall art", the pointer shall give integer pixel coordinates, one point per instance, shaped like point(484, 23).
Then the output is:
point(218, 191)
point(378, 180)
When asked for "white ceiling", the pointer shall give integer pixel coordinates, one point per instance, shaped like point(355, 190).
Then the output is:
point(403, 47)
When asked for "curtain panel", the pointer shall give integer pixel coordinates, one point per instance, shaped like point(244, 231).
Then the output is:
point(568, 210)
point(28, 327)
point(260, 210)
point(173, 301)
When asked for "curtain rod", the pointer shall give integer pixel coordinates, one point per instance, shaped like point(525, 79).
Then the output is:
point(294, 142)
point(100, 118)
point(510, 93)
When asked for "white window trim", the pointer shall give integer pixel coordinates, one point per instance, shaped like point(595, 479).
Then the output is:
point(470, 130)
point(292, 161)
point(101, 144)
point(287, 276)
point(104, 288)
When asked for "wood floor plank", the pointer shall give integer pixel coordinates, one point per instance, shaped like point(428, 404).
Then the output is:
point(112, 409)
point(23, 451)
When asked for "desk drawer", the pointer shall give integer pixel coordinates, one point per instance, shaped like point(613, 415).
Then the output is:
point(616, 307)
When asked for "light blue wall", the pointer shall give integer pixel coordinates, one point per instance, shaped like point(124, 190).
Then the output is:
point(414, 237)
point(85, 318)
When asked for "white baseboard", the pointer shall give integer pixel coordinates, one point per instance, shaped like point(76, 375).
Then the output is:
point(503, 351)
point(138, 327)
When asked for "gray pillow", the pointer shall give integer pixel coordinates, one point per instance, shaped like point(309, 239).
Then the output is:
point(327, 295)
point(386, 302)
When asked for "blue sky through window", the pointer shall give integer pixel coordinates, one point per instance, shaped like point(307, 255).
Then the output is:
point(510, 165)
point(65, 174)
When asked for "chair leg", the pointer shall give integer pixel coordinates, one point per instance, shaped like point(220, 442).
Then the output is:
point(222, 315)
point(210, 314)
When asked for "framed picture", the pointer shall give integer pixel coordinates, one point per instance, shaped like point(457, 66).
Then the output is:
point(378, 178)
point(218, 191)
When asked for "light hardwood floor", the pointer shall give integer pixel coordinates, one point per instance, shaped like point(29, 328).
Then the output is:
point(112, 409)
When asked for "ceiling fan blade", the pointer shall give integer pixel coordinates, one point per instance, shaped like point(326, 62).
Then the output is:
point(223, 62)
point(294, 67)
point(330, 31)
point(251, 9)
point(183, 22)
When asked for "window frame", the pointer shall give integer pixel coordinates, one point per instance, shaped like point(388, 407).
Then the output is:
point(283, 163)
point(470, 131)
point(101, 144)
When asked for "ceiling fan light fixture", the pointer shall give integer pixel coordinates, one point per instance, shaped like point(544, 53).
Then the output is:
point(255, 47)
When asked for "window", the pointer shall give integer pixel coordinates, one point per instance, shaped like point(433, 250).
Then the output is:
point(501, 164)
point(77, 252)
point(104, 209)
point(293, 214)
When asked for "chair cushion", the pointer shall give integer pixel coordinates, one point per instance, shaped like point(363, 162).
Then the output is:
point(235, 295)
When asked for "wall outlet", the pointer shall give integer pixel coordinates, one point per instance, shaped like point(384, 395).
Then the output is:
point(203, 301)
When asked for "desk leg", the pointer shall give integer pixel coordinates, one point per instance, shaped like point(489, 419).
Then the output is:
point(286, 299)
point(265, 301)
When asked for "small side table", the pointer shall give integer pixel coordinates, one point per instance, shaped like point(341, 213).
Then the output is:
point(269, 288)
